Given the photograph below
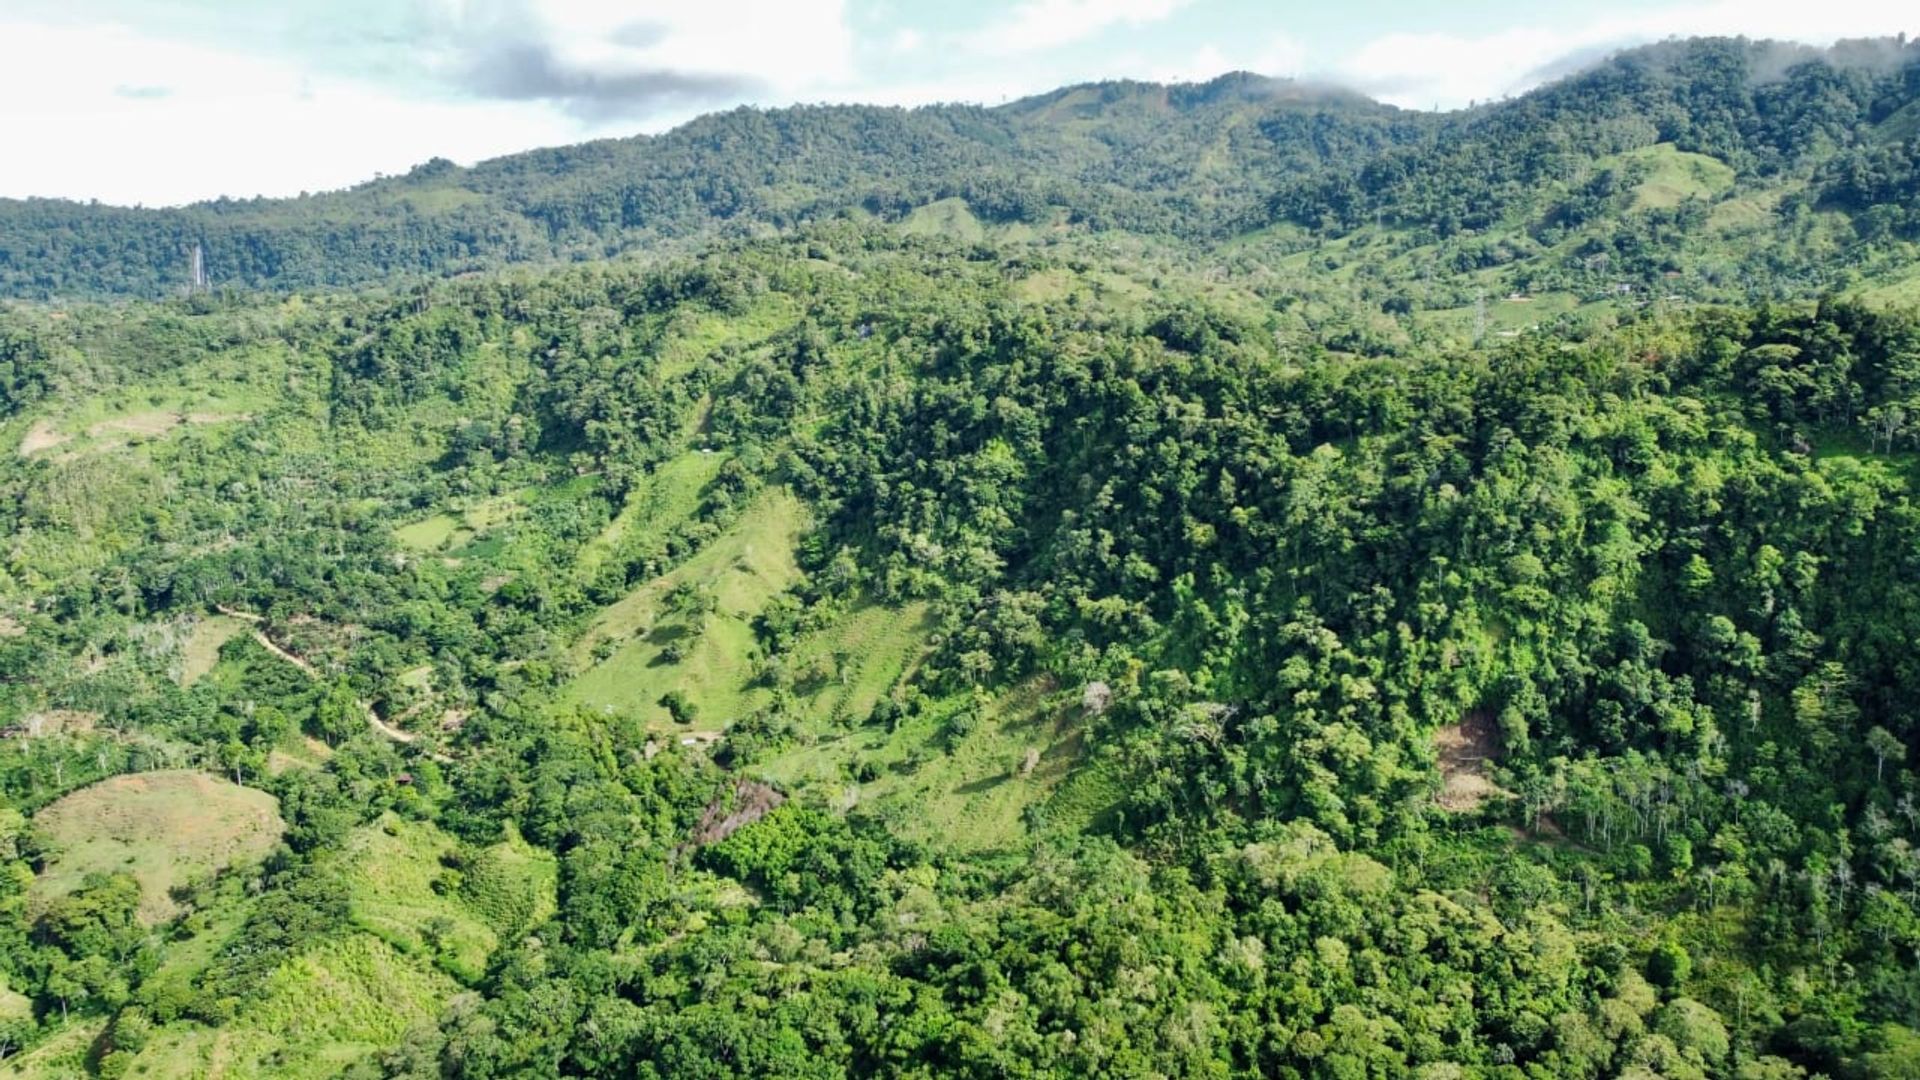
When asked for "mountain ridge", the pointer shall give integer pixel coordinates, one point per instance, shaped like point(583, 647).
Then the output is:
point(1201, 162)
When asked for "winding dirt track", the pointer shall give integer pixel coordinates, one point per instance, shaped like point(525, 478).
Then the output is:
point(373, 718)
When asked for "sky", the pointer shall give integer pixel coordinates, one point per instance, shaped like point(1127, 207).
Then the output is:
point(160, 102)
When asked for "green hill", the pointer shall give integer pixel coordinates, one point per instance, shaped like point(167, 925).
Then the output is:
point(1224, 580)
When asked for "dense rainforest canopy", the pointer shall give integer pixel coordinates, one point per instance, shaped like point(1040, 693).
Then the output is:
point(1198, 581)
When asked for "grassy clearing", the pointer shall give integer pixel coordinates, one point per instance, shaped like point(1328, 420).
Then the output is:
point(348, 997)
point(218, 392)
point(428, 534)
point(512, 885)
point(695, 335)
point(1506, 316)
point(202, 649)
point(666, 499)
point(1095, 287)
point(452, 528)
point(62, 1056)
point(943, 778)
point(164, 828)
point(391, 869)
point(741, 570)
point(298, 752)
point(186, 958)
point(846, 667)
point(951, 218)
point(1745, 213)
point(1045, 286)
point(1903, 124)
point(14, 1005)
point(1673, 176)
point(41, 436)
point(326, 1009)
point(1086, 799)
point(441, 200)
point(1903, 292)
point(47, 723)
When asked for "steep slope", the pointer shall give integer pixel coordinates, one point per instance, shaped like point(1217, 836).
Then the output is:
point(858, 654)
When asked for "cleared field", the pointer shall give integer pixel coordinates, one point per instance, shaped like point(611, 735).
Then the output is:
point(327, 1008)
point(1673, 176)
point(740, 570)
point(349, 997)
point(1898, 293)
point(428, 534)
point(664, 500)
point(1743, 213)
point(951, 218)
point(14, 1005)
point(1045, 286)
point(693, 336)
point(451, 528)
point(50, 722)
point(41, 436)
point(848, 665)
point(202, 649)
point(63, 1056)
point(298, 752)
point(966, 784)
point(164, 828)
point(113, 421)
point(390, 870)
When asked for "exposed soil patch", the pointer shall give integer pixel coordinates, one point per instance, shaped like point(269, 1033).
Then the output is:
point(1466, 751)
point(41, 436)
point(157, 422)
point(54, 722)
point(752, 800)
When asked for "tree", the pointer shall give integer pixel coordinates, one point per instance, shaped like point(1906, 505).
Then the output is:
point(1883, 744)
point(1669, 965)
point(679, 707)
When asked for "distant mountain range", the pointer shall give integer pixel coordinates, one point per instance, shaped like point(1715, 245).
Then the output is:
point(1780, 160)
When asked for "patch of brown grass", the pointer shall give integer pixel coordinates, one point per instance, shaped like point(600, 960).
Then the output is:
point(156, 422)
point(1466, 751)
point(42, 436)
point(58, 722)
point(164, 828)
point(751, 801)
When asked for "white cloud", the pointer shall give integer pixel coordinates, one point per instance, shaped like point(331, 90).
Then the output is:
point(1279, 56)
point(161, 109)
point(125, 114)
point(616, 57)
point(788, 44)
point(1048, 24)
point(207, 122)
point(1449, 70)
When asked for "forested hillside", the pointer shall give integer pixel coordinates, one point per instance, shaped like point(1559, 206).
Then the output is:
point(1757, 169)
point(1160, 642)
